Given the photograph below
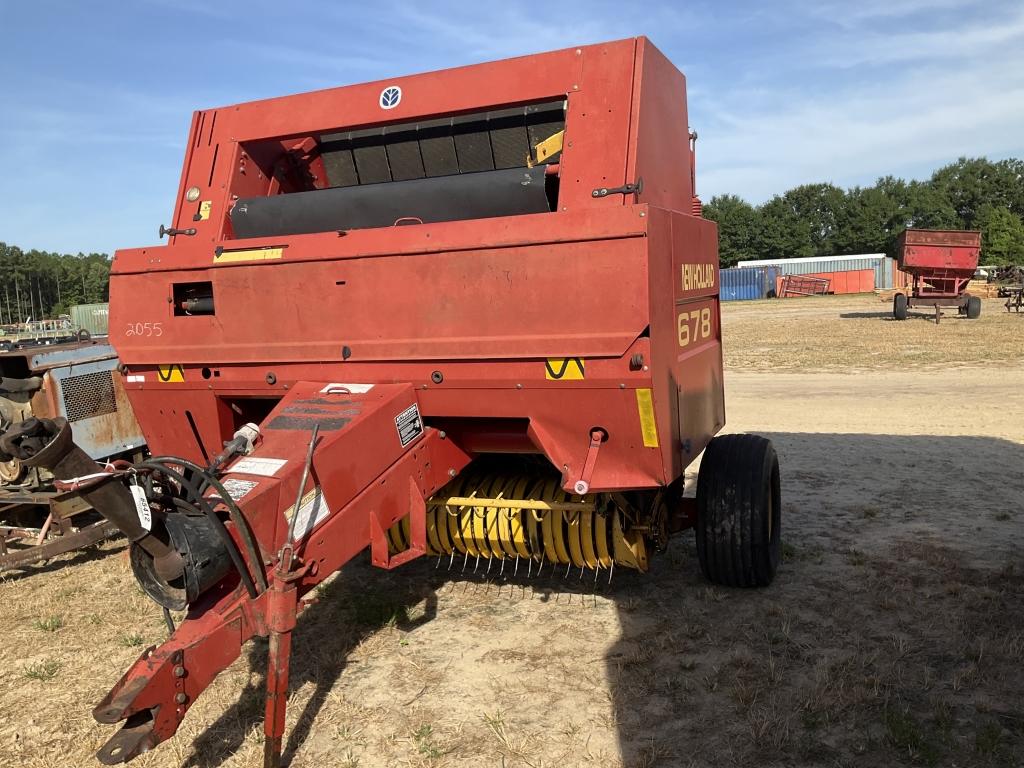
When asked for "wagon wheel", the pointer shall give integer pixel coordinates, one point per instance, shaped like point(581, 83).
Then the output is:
point(973, 307)
point(739, 508)
point(899, 306)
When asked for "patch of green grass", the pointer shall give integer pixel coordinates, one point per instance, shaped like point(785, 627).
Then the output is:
point(50, 623)
point(424, 738)
point(42, 670)
point(131, 639)
point(788, 551)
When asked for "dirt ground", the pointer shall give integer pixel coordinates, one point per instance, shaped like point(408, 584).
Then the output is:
point(854, 333)
point(892, 635)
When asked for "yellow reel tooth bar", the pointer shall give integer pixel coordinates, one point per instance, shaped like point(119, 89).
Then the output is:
point(512, 518)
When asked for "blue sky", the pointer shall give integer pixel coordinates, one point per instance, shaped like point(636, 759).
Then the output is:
point(97, 96)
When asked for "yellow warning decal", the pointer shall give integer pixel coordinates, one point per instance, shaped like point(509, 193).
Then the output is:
point(645, 407)
point(204, 210)
point(168, 374)
point(564, 369)
point(251, 254)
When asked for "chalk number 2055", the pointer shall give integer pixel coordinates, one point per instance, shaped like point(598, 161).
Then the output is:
point(694, 326)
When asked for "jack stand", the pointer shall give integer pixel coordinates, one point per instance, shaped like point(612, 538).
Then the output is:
point(282, 613)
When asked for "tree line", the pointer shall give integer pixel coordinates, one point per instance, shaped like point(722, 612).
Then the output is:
point(824, 220)
point(42, 285)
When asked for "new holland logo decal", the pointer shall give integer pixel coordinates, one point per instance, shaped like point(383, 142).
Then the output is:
point(390, 97)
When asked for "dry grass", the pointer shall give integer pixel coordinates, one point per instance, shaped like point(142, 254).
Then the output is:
point(858, 332)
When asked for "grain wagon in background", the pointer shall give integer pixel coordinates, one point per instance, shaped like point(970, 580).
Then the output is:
point(941, 263)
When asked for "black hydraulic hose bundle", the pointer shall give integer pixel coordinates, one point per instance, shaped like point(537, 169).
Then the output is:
point(177, 556)
point(160, 464)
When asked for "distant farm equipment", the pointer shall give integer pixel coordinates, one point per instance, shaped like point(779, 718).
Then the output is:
point(941, 263)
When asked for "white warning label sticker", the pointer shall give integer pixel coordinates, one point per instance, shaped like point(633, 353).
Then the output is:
point(237, 489)
point(313, 510)
point(409, 424)
point(257, 465)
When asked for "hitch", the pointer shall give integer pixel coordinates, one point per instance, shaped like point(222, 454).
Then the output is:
point(392, 464)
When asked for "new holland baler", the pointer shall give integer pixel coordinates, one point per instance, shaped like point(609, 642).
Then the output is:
point(471, 314)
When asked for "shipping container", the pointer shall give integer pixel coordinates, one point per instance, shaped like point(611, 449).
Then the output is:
point(94, 318)
point(747, 284)
point(883, 266)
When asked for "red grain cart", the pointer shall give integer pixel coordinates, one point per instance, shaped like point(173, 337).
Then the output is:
point(941, 263)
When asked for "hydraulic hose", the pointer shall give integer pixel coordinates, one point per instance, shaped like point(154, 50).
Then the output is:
point(222, 532)
point(237, 518)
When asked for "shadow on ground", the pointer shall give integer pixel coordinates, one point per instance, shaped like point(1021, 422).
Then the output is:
point(911, 315)
point(892, 635)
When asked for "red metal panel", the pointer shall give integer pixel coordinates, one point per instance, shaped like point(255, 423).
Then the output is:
point(576, 299)
point(694, 401)
point(921, 250)
point(660, 136)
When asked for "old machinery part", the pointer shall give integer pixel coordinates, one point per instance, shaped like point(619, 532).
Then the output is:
point(31, 384)
point(626, 189)
point(11, 469)
point(49, 444)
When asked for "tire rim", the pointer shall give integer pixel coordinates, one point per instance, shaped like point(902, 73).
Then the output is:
point(10, 471)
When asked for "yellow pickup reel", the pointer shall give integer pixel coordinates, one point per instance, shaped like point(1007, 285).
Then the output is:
point(530, 521)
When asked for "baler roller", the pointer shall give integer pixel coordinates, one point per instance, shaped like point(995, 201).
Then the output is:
point(511, 518)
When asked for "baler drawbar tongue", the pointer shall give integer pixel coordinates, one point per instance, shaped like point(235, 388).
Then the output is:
point(372, 456)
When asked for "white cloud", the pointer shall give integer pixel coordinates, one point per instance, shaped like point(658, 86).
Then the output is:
point(853, 136)
point(850, 108)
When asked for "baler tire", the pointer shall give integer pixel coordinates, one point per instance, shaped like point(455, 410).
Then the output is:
point(899, 306)
point(739, 507)
point(973, 307)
